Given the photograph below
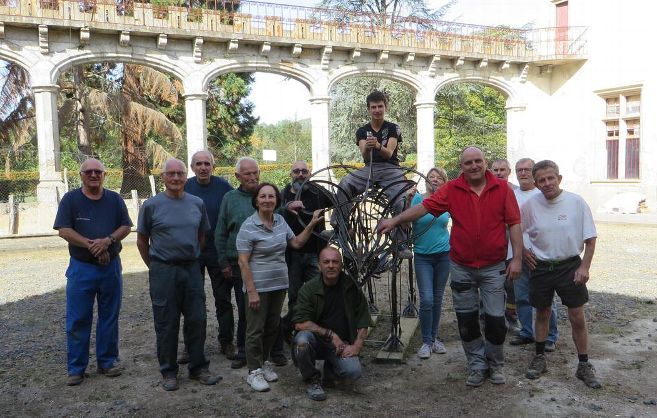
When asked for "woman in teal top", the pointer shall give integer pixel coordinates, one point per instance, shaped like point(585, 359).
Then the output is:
point(431, 249)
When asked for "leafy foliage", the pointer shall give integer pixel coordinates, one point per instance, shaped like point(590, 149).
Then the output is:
point(291, 140)
point(469, 114)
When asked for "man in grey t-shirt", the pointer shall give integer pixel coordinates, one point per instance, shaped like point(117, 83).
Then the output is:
point(170, 234)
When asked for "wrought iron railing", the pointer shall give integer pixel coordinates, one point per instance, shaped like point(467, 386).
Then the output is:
point(283, 23)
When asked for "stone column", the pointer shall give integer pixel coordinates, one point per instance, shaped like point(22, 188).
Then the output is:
point(320, 131)
point(516, 146)
point(197, 131)
point(426, 149)
point(50, 186)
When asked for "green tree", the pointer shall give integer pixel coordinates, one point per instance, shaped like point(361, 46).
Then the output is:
point(230, 118)
point(290, 139)
point(17, 125)
point(469, 114)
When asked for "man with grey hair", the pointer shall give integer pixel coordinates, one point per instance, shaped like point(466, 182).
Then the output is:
point(171, 231)
point(235, 208)
point(211, 189)
point(93, 220)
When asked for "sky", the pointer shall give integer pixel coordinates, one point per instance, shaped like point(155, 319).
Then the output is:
point(269, 89)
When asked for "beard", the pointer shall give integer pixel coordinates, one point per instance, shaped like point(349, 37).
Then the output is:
point(298, 185)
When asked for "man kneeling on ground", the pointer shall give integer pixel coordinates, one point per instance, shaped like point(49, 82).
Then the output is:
point(331, 318)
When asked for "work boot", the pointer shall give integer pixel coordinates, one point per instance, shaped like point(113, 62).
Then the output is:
point(205, 378)
point(74, 379)
point(170, 383)
point(476, 378)
point(497, 377)
point(586, 373)
point(537, 367)
point(315, 391)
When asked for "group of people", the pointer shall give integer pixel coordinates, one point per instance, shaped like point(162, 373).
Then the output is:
point(261, 245)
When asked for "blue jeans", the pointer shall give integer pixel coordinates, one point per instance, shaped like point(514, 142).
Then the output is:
point(525, 310)
point(85, 283)
point(431, 273)
point(307, 348)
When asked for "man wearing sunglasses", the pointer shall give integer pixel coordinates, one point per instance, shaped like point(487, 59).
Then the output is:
point(93, 220)
point(299, 201)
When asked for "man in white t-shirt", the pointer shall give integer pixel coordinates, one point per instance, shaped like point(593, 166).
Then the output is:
point(559, 226)
point(524, 310)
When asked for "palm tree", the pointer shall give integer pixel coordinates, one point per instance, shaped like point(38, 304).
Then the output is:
point(16, 110)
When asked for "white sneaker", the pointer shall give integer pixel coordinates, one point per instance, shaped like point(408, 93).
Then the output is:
point(438, 347)
point(269, 374)
point(257, 381)
point(424, 352)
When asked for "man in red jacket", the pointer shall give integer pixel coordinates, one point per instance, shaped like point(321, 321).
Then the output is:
point(481, 206)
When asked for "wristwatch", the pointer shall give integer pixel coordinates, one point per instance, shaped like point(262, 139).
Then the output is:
point(111, 237)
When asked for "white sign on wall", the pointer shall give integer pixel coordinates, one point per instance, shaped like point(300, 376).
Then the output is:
point(269, 155)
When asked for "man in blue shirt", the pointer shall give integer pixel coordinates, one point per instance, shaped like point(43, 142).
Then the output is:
point(93, 220)
point(211, 189)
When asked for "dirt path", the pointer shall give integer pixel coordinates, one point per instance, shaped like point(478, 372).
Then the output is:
point(622, 317)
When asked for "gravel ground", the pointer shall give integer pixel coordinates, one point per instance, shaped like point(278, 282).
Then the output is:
point(623, 338)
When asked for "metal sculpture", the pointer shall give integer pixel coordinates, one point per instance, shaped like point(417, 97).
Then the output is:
point(367, 255)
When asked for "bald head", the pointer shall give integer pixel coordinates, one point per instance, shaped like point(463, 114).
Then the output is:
point(91, 163)
point(202, 165)
point(473, 165)
point(330, 265)
point(173, 164)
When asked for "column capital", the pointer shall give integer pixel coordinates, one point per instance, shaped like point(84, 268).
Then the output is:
point(45, 88)
point(320, 99)
point(425, 104)
point(196, 96)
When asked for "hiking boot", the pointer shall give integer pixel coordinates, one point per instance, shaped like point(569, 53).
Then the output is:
point(205, 378)
point(257, 381)
point(315, 391)
point(586, 373)
point(183, 358)
point(424, 352)
point(238, 363)
point(278, 360)
point(497, 377)
point(228, 350)
point(74, 379)
point(521, 340)
point(113, 371)
point(438, 347)
point(537, 367)
point(170, 383)
point(269, 374)
point(476, 378)
point(550, 346)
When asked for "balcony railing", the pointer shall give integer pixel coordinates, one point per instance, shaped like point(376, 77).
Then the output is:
point(291, 24)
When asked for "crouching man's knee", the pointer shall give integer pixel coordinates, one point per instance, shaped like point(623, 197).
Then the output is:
point(350, 369)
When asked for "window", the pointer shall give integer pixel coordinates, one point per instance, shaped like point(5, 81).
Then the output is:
point(622, 138)
point(633, 104)
point(613, 107)
point(632, 145)
point(612, 150)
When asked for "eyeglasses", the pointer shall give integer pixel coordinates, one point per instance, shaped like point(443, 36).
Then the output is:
point(90, 172)
point(300, 170)
point(174, 173)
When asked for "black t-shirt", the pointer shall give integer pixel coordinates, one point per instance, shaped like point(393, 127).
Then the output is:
point(334, 314)
point(313, 198)
point(388, 130)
